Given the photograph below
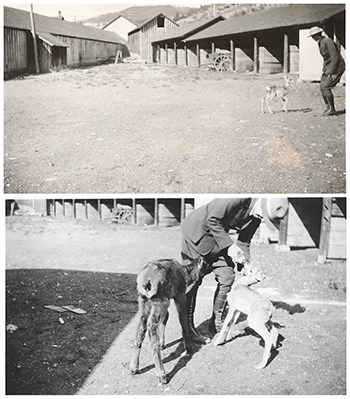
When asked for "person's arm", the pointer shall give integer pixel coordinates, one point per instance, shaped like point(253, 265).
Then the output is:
point(220, 213)
point(245, 236)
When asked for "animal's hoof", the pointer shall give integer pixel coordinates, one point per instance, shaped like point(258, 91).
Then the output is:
point(133, 371)
point(163, 380)
point(259, 366)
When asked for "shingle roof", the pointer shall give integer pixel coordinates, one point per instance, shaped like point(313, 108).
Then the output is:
point(184, 31)
point(20, 19)
point(291, 15)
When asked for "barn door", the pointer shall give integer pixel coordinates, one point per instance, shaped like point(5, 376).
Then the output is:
point(310, 60)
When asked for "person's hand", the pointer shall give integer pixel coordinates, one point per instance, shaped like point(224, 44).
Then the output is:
point(236, 254)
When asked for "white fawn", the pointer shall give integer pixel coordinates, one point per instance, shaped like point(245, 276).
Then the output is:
point(277, 92)
point(243, 299)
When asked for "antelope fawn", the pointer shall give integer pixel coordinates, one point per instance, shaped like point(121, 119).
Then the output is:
point(243, 299)
point(277, 92)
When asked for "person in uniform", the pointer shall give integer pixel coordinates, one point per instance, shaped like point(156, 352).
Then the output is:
point(205, 233)
point(333, 67)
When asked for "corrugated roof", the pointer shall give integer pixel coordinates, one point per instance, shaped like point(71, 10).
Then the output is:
point(292, 15)
point(20, 19)
point(184, 31)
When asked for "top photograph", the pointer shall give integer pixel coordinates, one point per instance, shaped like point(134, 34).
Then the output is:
point(215, 98)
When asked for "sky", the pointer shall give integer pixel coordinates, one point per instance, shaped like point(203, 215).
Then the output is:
point(84, 10)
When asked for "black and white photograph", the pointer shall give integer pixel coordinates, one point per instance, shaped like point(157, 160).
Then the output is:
point(230, 98)
point(252, 287)
point(174, 198)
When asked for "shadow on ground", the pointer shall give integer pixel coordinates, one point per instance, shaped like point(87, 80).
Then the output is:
point(53, 353)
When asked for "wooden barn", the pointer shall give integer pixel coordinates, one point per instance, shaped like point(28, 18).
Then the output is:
point(170, 47)
point(60, 43)
point(311, 222)
point(140, 39)
point(272, 40)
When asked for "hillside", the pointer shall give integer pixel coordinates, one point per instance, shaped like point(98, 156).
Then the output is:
point(181, 15)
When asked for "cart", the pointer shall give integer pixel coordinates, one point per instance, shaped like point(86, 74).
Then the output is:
point(219, 61)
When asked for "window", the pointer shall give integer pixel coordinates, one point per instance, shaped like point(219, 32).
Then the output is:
point(160, 21)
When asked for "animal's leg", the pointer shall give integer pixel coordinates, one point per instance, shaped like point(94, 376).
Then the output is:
point(180, 301)
point(158, 313)
point(226, 328)
point(268, 106)
point(162, 326)
point(235, 318)
point(144, 310)
point(285, 102)
point(274, 335)
point(257, 323)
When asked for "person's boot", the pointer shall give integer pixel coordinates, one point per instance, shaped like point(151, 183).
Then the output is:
point(325, 99)
point(196, 336)
point(216, 321)
point(331, 110)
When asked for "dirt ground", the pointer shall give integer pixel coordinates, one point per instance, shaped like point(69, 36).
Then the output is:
point(310, 302)
point(152, 128)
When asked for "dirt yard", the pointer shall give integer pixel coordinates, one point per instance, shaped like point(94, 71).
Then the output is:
point(149, 128)
point(310, 302)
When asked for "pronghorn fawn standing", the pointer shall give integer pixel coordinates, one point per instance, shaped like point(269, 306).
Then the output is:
point(277, 92)
point(157, 283)
point(243, 299)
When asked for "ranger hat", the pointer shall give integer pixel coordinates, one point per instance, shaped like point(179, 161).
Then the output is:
point(274, 210)
point(314, 30)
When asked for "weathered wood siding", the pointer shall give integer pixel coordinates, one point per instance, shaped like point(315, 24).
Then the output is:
point(19, 52)
point(140, 42)
point(89, 52)
point(134, 42)
point(15, 51)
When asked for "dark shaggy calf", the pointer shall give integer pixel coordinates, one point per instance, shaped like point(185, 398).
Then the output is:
point(157, 283)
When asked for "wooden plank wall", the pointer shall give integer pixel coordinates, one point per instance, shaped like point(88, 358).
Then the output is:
point(140, 42)
point(149, 32)
point(89, 52)
point(15, 51)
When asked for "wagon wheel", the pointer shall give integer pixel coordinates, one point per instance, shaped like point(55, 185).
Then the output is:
point(124, 217)
point(222, 63)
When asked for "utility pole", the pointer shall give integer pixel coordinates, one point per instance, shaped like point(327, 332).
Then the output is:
point(36, 54)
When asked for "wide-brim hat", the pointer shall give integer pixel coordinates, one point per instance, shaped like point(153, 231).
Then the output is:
point(314, 30)
point(274, 210)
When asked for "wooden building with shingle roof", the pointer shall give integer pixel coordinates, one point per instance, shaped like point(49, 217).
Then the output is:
point(270, 41)
point(170, 48)
point(60, 43)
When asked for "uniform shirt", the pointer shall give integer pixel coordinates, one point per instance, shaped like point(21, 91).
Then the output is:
point(206, 230)
point(333, 62)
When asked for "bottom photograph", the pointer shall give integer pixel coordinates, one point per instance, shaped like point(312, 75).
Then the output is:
point(192, 295)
